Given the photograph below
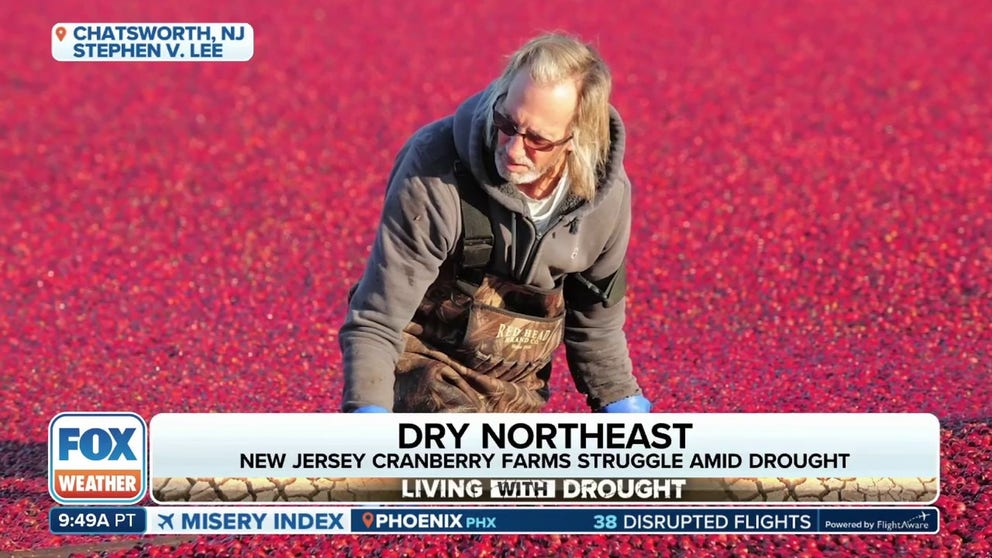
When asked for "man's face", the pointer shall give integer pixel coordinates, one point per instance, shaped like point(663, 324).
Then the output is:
point(543, 113)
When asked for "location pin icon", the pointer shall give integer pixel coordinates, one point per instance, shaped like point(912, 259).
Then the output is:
point(60, 33)
point(367, 518)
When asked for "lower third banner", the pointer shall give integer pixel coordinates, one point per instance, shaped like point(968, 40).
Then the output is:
point(311, 519)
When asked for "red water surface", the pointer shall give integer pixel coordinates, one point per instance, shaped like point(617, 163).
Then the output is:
point(812, 214)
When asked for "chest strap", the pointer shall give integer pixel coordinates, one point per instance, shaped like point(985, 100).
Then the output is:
point(477, 231)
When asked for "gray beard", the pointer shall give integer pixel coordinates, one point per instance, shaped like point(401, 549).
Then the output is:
point(518, 178)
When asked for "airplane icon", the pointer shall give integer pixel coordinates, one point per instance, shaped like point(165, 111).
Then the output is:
point(165, 520)
point(923, 515)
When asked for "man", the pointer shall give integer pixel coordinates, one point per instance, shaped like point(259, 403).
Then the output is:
point(450, 319)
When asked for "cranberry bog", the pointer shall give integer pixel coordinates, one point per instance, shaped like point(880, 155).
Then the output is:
point(812, 214)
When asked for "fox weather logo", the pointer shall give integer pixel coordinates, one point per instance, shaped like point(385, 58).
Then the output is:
point(97, 458)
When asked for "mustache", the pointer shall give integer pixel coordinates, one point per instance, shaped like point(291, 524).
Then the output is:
point(510, 160)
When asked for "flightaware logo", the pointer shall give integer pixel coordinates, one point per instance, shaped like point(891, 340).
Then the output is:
point(97, 458)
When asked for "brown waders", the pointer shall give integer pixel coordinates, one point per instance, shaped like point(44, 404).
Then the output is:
point(485, 349)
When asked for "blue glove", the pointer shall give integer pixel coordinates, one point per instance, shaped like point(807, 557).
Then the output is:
point(370, 409)
point(632, 404)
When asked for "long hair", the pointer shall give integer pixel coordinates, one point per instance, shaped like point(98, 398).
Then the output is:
point(552, 59)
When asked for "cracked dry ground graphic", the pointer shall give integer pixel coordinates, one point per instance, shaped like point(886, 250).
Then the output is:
point(765, 489)
point(271, 489)
point(852, 489)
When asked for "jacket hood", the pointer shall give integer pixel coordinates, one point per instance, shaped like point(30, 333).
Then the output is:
point(470, 142)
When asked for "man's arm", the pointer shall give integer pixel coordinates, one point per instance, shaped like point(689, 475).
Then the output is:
point(595, 344)
point(414, 237)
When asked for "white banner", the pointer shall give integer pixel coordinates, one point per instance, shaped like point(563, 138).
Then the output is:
point(153, 42)
point(545, 445)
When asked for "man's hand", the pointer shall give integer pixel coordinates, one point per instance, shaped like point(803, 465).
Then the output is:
point(632, 404)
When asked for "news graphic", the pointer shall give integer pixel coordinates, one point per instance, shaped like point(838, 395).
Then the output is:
point(331, 520)
point(153, 42)
point(97, 458)
point(568, 458)
point(524, 473)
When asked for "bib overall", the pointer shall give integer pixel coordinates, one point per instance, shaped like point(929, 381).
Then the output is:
point(485, 349)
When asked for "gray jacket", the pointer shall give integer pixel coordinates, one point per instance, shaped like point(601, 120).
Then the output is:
point(420, 229)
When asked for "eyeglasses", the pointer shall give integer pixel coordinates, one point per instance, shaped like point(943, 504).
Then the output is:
point(505, 124)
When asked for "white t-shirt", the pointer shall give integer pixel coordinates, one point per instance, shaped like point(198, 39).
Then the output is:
point(541, 211)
